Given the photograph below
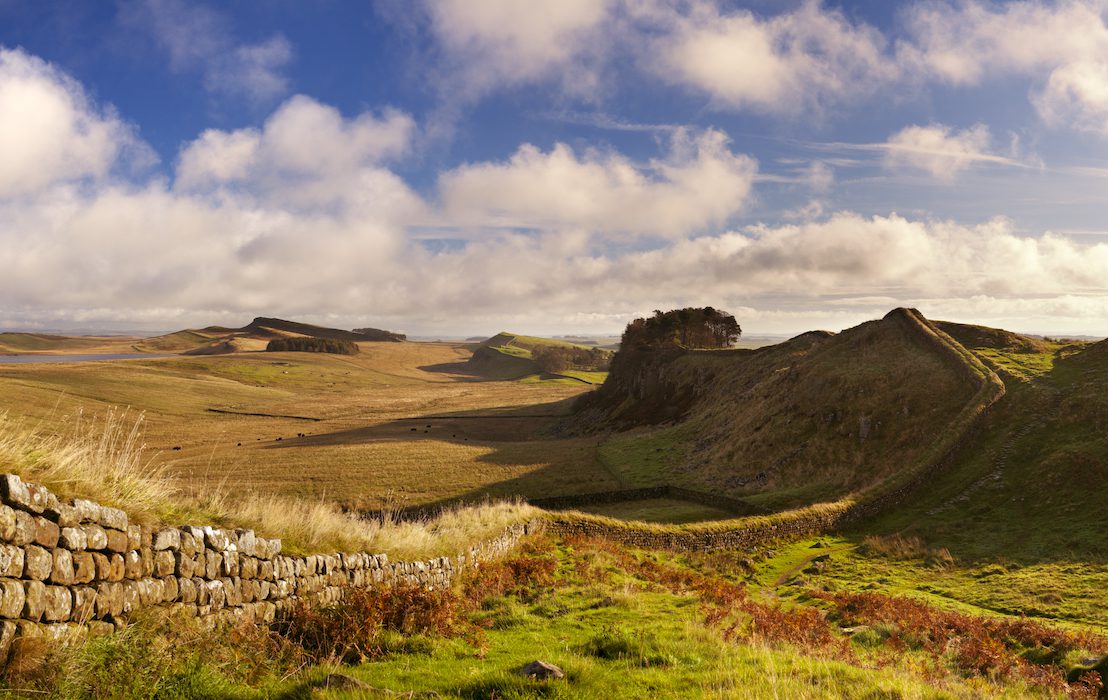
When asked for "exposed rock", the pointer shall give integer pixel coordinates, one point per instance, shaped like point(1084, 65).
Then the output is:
point(167, 539)
point(113, 518)
point(96, 537)
point(540, 670)
point(12, 598)
point(73, 539)
point(338, 681)
point(58, 604)
point(117, 540)
point(38, 563)
point(62, 572)
point(11, 561)
point(46, 533)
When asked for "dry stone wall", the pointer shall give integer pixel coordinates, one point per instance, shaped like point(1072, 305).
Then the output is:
point(80, 567)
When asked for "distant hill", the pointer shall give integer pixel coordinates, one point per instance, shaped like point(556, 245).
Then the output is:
point(810, 419)
point(512, 356)
point(254, 336)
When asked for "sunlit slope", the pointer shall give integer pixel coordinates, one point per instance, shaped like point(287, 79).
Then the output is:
point(511, 356)
point(20, 343)
point(811, 419)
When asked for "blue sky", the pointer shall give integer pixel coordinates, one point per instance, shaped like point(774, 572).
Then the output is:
point(462, 166)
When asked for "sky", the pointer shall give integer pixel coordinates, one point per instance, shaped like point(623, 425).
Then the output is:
point(459, 167)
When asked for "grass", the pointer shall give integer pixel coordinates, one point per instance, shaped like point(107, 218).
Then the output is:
point(658, 510)
point(105, 460)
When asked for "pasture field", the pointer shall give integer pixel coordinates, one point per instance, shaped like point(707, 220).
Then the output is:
point(399, 424)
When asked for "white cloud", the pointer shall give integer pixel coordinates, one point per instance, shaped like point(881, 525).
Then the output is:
point(1060, 45)
point(700, 182)
point(806, 59)
point(49, 132)
point(197, 38)
point(497, 43)
point(939, 150)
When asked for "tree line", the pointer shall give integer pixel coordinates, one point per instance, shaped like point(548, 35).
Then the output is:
point(559, 358)
point(689, 328)
point(329, 345)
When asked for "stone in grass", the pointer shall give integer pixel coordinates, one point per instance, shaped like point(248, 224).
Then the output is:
point(542, 671)
point(338, 681)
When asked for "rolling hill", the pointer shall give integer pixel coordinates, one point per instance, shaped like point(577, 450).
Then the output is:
point(512, 356)
point(253, 337)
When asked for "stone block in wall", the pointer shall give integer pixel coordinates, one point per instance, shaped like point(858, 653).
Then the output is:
point(11, 561)
point(171, 589)
point(146, 556)
point(73, 538)
point(203, 594)
point(190, 544)
point(265, 570)
point(109, 600)
point(230, 564)
point(62, 572)
point(246, 541)
point(46, 533)
point(248, 567)
point(7, 523)
point(103, 565)
point(131, 596)
point(84, 568)
point(117, 540)
point(167, 539)
point(37, 563)
point(184, 565)
point(117, 569)
point(212, 563)
point(186, 588)
point(113, 518)
point(61, 513)
point(134, 537)
point(12, 598)
point(24, 532)
point(59, 604)
point(34, 600)
point(164, 563)
point(132, 565)
point(8, 631)
point(87, 511)
point(16, 493)
point(216, 539)
point(84, 603)
point(217, 597)
point(95, 537)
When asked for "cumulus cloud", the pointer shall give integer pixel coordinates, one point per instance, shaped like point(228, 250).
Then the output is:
point(1060, 45)
point(197, 38)
point(498, 43)
point(700, 182)
point(49, 132)
point(252, 225)
point(939, 150)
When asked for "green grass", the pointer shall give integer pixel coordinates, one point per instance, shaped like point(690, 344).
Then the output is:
point(658, 510)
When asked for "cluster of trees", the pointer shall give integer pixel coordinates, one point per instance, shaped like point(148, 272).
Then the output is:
point(690, 327)
point(331, 345)
point(559, 358)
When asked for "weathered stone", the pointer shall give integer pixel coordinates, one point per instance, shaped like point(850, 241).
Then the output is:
point(84, 603)
point(63, 514)
point(39, 495)
point(95, 537)
point(184, 565)
point(132, 596)
point(213, 561)
point(248, 567)
point(186, 588)
point(87, 511)
point(117, 570)
point(62, 572)
point(11, 561)
point(109, 600)
point(103, 566)
point(147, 556)
point(338, 681)
point(117, 540)
point(167, 539)
point(84, 567)
point(247, 542)
point(46, 533)
point(7, 640)
point(7, 523)
point(59, 604)
point(134, 537)
point(98, 628)
point(12, 598)
point(34, 600)
point(216, 539)
point(540, 670)
point(190, 546)
point(15, 493)
point(24, 528)
point(164, 564)
point(171, 589)
point(113, 518)
point(132, 565)
point(73, 539)
point(37, 563)
point(230, 564)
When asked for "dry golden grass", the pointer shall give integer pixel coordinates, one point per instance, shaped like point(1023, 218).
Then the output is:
point(106, 460)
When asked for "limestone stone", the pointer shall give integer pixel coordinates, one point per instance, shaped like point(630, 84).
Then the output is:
point(87, 511)
point(73, 539)
point(84, 567)
point(184, 565)
point(59, 604)
point(247, 542)
point(109, 600)
point(117, 540)
point(113, 518)
point(164, 564)
point(37, 563)
point(147, 556)
point(213, 561)
point(171, 589)
point(248, 567)
point(84, 603)
point(7, 523)
point(24, 528)
point(131, 596)
point(8, 632)
point(132, 565)
point(167, 539)
point(15, 493)
point(95, 536)
point(117, 569)
point(186, 588)
point(103, 566)
point(63, 514)
point(12, 598)
point(134, 537)
point(62, 572)
point(39, 496)
point(541, 670)
point(190, 546)
point(34, 600)
point(216, 539)
point(46, 533)
point(230, 564)
point(11, 561)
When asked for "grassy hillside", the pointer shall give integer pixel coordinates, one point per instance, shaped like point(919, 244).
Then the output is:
point(511, 356)
point(20, 343)
point(253, 337)
point(812, 419)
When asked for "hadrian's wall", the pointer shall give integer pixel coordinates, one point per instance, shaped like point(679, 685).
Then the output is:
point(77, 566)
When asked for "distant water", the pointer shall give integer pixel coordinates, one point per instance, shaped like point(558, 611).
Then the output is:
point(30, 359)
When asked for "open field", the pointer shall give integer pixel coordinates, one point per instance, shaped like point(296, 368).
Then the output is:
point(389, 426)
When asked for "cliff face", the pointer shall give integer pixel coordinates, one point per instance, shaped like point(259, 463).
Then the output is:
point(815, 417)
